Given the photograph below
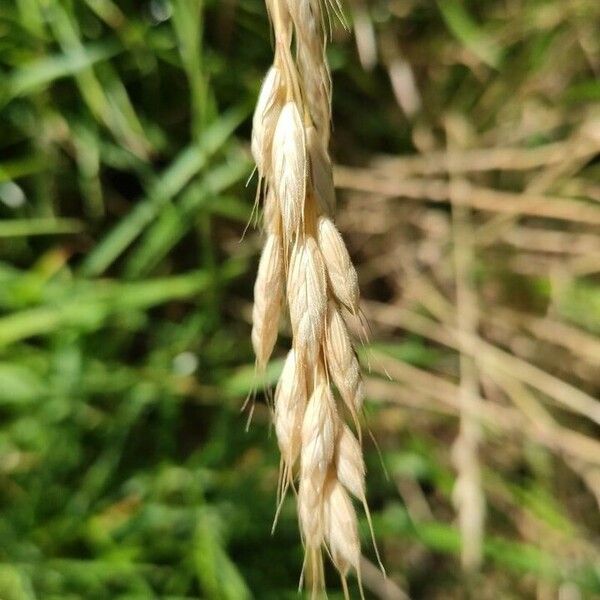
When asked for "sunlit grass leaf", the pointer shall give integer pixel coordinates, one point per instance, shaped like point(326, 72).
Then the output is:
point(246, 379)
point(580, 303)
point(462, 25)
point(20, 384)
point(88, 306)
point(43, 226)
point(20, 167)
point(14, 584)
point(584, 91)
point(43, 71)
point(216, 573)
point(113, 111)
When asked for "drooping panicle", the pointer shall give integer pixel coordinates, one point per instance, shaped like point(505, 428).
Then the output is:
point(320, 385)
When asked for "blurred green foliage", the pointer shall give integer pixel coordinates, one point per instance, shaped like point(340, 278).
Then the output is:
point(125, 469)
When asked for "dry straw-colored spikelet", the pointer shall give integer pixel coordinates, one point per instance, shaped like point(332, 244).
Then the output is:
point(304, 254)
point(268, 294)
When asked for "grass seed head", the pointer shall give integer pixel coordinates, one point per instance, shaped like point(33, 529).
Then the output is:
point(289, 143)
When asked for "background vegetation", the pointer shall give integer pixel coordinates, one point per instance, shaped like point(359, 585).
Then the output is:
point(470, 135)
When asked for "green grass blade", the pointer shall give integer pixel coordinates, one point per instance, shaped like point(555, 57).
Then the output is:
point(41, 226)
point(37, 74)
point(462, 25)
point(174, 223)
point(184, 167)
point(90, 308)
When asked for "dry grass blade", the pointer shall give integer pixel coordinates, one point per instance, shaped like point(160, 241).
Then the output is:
point(466, 194)
point(562, 392)
point(467, 493)
point(487, 159)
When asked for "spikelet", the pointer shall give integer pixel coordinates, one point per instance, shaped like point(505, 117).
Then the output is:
point(290, 403)
point(268, 295)
point(340, 271)
point(289, 167)
point(307, 299)
point(266, 115)
point(342, 362)
point(349, 464)
point(319, 432)
point(341, 528)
